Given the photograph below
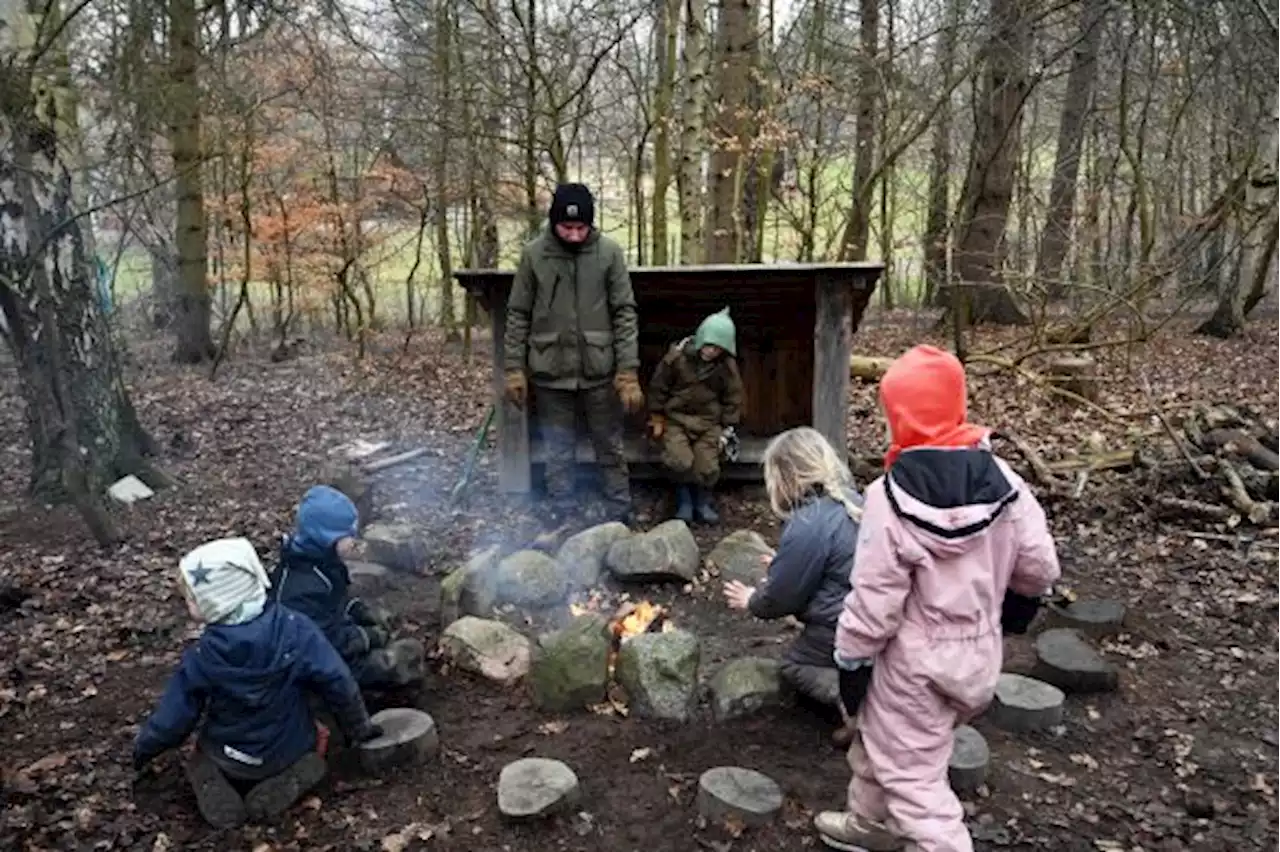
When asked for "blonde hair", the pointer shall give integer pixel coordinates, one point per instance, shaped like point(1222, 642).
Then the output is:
point(800, 461)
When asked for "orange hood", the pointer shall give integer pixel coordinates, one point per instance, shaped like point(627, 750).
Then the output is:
point(924, 398)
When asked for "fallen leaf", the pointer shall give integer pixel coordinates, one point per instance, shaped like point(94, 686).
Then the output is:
point(640, 754)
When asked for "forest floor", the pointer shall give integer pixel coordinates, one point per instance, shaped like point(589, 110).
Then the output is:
point(1182, 757)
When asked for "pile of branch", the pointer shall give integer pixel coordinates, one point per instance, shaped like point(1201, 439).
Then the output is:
point(1236, 451)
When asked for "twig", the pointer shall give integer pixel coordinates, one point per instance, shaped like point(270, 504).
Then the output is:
point(1235, 491)
point(1173, 436)
point(1238, 540)
point(392, 461)
point(1194, 507)
point(1038, 467)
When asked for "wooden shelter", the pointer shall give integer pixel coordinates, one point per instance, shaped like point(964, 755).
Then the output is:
point(795, 326)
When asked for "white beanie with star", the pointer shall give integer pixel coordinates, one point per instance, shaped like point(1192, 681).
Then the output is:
point(226, 581)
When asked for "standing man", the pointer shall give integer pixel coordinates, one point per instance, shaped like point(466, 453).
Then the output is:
point(572, 330)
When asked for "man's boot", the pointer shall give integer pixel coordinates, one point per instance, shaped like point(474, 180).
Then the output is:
point(702, 509)
point(272, 797)
point(684, 504)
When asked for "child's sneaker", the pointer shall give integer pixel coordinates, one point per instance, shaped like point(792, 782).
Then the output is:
point(850, 833)
point(272, 797)
point(217, 801)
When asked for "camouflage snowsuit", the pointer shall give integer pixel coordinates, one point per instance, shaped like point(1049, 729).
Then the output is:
point(698, 399)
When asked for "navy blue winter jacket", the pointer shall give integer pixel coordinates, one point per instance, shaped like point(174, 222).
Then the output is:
point(809, 575)
point(250, 682)
point(312, 579)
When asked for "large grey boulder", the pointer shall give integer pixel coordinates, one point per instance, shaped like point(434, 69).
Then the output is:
point(666, 552)
point(470, 588)
point(529, 579)
point(744, 686)
point(490, 649)
point(740, 556)
point(396, 544)
point(582, 556)
point(659, 672)
point(571, 665)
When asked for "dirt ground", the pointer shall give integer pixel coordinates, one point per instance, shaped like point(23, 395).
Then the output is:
point(1182, 757)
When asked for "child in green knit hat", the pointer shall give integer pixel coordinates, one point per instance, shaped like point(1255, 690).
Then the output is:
point(695, 402)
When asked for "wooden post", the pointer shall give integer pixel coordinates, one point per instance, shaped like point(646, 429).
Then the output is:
point(514, 462)
point(832, 346)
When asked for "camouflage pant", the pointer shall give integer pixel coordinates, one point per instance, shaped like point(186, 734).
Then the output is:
point(558, 422)
point(692, 458)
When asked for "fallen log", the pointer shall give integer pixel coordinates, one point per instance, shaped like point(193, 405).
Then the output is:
point(1112, 460)
point(868, 368)
point(392, 461)
point(1237, 443)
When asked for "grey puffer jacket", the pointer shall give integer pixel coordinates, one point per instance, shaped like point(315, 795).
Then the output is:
point(809, 576)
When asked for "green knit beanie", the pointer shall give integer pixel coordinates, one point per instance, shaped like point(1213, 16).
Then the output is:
point(717, 330)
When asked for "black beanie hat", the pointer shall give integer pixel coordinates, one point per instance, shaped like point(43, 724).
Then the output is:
point(572, 202)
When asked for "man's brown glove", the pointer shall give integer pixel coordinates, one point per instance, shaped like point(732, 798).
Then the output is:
point(517, 388)
point(657, 426)
point(627, 384)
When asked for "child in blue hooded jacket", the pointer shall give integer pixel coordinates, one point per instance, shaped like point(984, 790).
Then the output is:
point(248, 675)
point(312, 578)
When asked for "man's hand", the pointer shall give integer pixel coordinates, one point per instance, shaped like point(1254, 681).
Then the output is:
point(738, 595)
point(517, 388)
point(657, 426)
point(627, 385)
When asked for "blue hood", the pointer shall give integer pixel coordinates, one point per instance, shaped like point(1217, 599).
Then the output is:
point(325, 515)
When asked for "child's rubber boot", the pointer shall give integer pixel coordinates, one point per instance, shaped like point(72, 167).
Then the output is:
point(703, 510)
point(684, 504)
point(270, 798)
point(851, 833)
point(398, 664)
point(217, 801)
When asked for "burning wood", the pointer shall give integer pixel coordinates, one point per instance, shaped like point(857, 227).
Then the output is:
point(632, 619)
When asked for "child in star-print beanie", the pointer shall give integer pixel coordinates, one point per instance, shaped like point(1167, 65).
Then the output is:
point(242, 688)
point(224, 582)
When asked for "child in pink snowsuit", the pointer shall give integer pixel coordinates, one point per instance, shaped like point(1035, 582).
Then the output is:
point(946, 531)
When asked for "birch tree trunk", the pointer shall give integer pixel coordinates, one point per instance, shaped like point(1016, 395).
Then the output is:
point(1066, 167)
point(83, 429)
point(1239, 294)
point(440, 165)
point(192, 305)
point(993, 167)
point(695, 60)
point(736, 31)
point(665, 39)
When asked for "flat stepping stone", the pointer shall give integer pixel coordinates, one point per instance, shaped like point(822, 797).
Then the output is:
point(1065, 660)
point(731, 792)
point(967, 769)
point(535, 787)
point(1024, 704)
point(409, 736)
point(1096, 619)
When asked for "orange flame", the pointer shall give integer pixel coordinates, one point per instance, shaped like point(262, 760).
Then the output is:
point(638, 620)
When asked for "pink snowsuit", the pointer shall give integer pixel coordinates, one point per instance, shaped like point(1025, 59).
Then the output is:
point(944, 533)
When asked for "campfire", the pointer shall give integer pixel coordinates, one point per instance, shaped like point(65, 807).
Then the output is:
point(632, 619)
